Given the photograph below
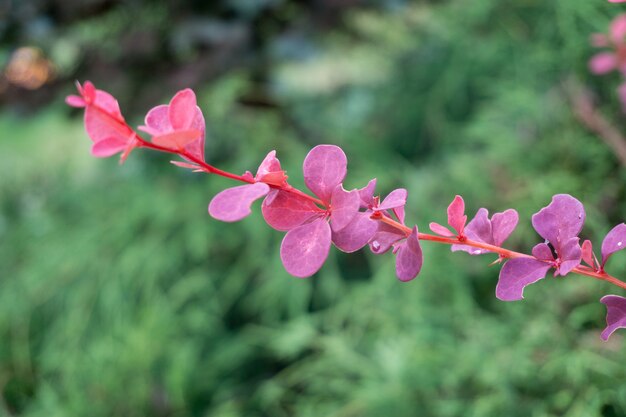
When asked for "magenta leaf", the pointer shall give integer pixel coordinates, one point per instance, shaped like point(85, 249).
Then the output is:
point(478, 229)
point(305, 248)
point(542, 252)
point(517, 274)
point(384, 238)
point(570, 256)
point(560, 223)
point(356, 234)
point(409, 257)
point(366, 194)
point(503, 225)
point(270, 171)
point(345, 205)
point(284, 211)
point(440, 230)
point(233, 204)
point(269, 164)
point(561, 220)
point(456, 215)
point(615, 314)
point(324, 168)
point(614, 241)
point(395, 199)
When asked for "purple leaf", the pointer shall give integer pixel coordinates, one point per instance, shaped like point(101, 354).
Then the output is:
point(409, 258)
point(570, 256)
point(384, 238)
point(478, 229)
point(542, 252)
point(615, 314)
point(284, 211)
point(614, 241)
point(305, 248)
point(456, 214)
point(366, 194)
point(517, 274)
point(493, 232)
point(344, 206)
point(356, 234)
point(395, 199)
point(503, 225)
point(440, 230)
point(324, 168)
point(233, 204)
point(560, 221)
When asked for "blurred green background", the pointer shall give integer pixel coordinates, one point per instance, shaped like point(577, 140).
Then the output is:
point(120, 296)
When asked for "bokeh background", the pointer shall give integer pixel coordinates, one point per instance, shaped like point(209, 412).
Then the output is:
point(120, 296)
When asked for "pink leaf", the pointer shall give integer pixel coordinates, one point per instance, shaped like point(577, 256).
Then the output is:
point(399, 212)
point(345, 205)
point(440, 230)
point(177, 139)
point(456, 214)
point(305, 248)
point(409, 258)
point(283, 210)
point(109, 104)
point(603, 63)
point(324, 168)
point(75, 101)
point(185, 115)
point(518, 273)
point(157, 121)
point(356, 234)
point(182, 109)
point(100, 125)
point(233, 204)
point(614, 241)
point(615, 314)
point(587, 254)
point(187, 165)
point(108, 147)
point(395, 199)
point(269, 164)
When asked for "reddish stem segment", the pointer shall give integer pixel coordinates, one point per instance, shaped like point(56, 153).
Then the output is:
point(210, 169)
point(504, 253)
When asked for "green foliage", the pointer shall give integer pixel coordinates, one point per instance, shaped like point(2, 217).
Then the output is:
point(120, 296)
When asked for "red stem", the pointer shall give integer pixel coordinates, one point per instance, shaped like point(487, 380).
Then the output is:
point(210, 169)
point(504, 253)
